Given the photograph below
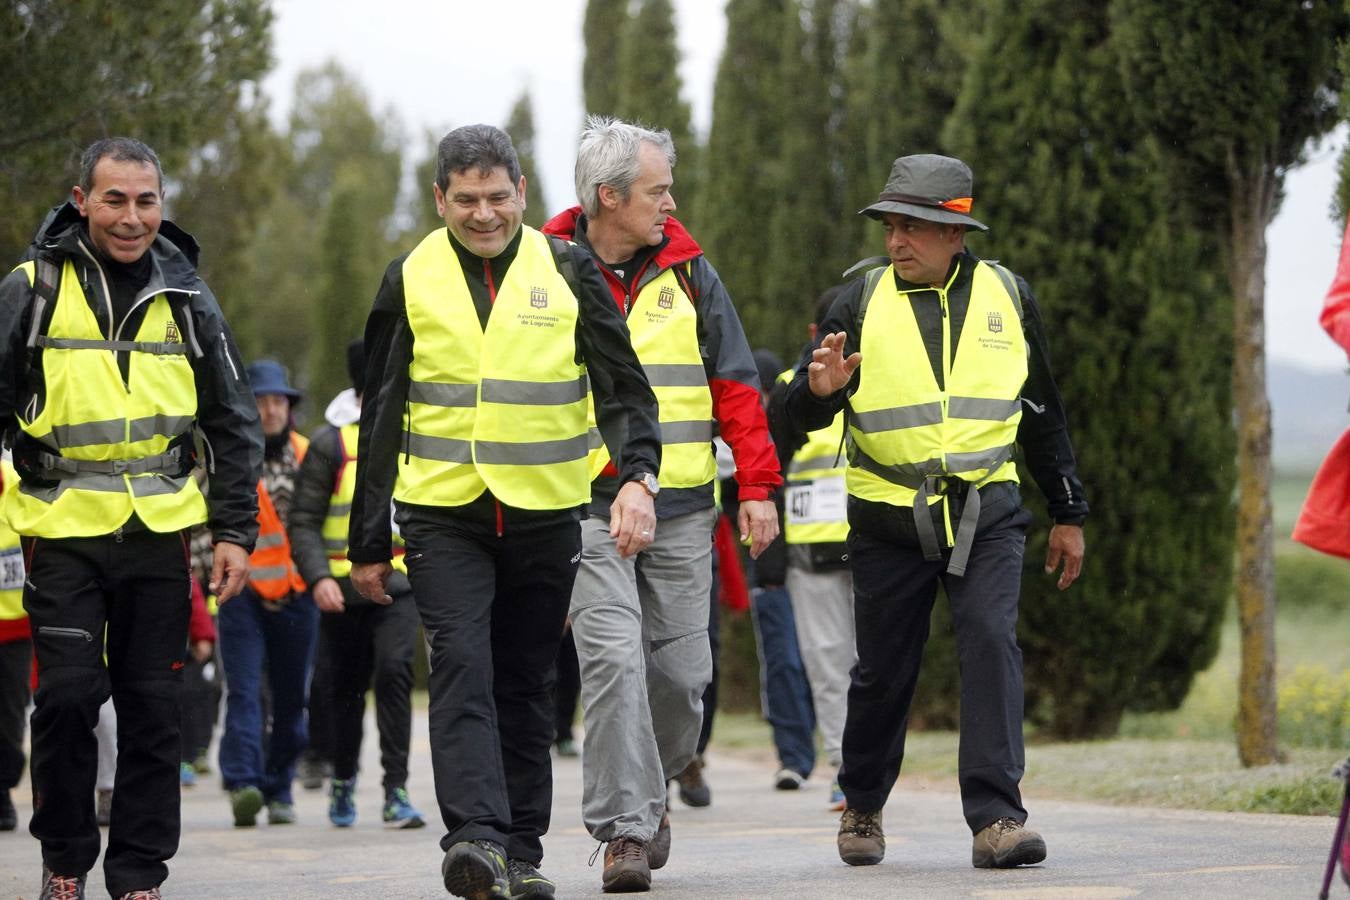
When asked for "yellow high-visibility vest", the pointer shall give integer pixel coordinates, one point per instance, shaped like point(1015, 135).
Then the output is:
point(106, 443)
point(664, 328)
point(905, 428)
point(501, 408)
point(11, 556)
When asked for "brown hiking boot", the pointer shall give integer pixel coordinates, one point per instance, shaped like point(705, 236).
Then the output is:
point(658, 848)
point(861, 840)
point(1005, 844)
point(626, 867)
point(694, 791)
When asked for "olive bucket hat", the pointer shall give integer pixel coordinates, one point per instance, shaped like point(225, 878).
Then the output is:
point(928, 186)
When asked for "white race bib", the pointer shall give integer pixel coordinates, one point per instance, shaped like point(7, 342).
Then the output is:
point(820, 501)
point(11, 569)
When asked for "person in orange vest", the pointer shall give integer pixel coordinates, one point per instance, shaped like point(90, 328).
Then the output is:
point(270, 627)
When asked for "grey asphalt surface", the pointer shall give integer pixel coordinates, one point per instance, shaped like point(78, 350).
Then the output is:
point(752, 841)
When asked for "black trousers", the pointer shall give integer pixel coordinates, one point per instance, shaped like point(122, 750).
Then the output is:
point(201, 705)
point(16, 660)
point(493, 608)
point(364, 642)
point(893, 592)
point(567, 689)
point(137, 588)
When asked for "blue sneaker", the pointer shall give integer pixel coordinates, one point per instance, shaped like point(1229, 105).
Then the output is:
point(399, 811)
point(837, 801)
point(342, 802)
point(187, 775)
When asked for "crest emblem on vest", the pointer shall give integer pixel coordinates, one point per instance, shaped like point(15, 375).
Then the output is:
point(539, 297)
point(171, 335)
point(995, 322)
point(666, 299)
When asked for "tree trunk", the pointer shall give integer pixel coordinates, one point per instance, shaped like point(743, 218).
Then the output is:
point(1252, 209)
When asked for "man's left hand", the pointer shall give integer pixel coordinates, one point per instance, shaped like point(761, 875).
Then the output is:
point(1066, 546)
point(758, 522)
point(632, 519)
point(229, 570)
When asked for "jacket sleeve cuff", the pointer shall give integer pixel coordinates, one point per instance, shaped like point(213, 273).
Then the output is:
point(754, 492)
point(362, 555)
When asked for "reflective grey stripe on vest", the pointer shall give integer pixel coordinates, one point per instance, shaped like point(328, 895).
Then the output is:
point(594, 439)
point(698, 431)
point(338, 510)
point(269, 540)
point(676, 374)
point(982, 459)
point(424, 446)
point(898, 417)
point(268, 573)
point(534, 393)
point(980, 408)
point(335, 545)
point(115, 431)
point(158, 348)
point(149, 486)
point(434, 393)
point(533, 453)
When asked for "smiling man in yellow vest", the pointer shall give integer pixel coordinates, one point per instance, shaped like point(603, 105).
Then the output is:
point(941, 361)
point(479, 351)
point(113, 352)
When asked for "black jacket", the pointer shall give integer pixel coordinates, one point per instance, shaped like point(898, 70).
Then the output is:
point(226, 412)
point(624, 402)
point(1043, 433)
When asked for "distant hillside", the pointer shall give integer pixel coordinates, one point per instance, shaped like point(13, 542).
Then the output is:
point(1308, 410)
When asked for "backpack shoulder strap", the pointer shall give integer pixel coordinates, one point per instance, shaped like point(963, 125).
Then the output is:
point(869, 287)
point(565, 261)
point(46, 284)
point(1009, 283)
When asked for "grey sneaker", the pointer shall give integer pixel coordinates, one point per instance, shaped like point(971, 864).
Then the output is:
point(475, 869)
point(279, 812)
point(658, 849)
point(1005, 844)
point(626, 868)
point(103, 807)
point(788, 780)
point(861, 840)
point(527, 881)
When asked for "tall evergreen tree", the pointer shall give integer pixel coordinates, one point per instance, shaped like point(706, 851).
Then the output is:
point(649, 90)
point(1068, 183)
point(520, 125)
point(602, 28)
point(809, 186)
point(168, 73)
point(1234, 99)
point(742, 171)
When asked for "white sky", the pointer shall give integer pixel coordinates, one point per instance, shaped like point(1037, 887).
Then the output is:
point(444, 63)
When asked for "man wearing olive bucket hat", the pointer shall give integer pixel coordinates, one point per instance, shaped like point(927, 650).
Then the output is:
point(941, 360)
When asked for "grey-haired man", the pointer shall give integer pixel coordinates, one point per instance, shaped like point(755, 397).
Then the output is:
point(941, 360)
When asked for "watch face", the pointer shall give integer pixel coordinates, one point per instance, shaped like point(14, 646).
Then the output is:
point(651, 484)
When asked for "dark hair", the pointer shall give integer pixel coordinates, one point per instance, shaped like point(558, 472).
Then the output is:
point(483, 146)
point(118, 149)
point(825, 301)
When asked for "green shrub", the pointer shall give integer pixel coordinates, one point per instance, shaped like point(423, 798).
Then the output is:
point(1306, 578)
point(1314, 706)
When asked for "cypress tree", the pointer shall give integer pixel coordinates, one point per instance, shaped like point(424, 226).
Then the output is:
point(520, 125)
point(601, 29)
point(808, 192)
point(649, 91)
point(1234, 99)
point(1068, 183)
point(742, 165)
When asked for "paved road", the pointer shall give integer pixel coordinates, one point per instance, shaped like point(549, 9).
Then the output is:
point(752, 842)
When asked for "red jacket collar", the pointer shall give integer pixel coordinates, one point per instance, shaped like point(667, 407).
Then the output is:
point(680, 245)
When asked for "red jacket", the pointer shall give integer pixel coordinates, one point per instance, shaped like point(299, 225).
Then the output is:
point(733, 377)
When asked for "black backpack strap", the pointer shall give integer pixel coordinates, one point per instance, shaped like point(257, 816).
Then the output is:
point(46, 284)
point(683, 274)
point(565, 261)
point(1009, 284)
point(869, 287)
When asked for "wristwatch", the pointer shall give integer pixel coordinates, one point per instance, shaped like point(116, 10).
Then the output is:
point(649, 483)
